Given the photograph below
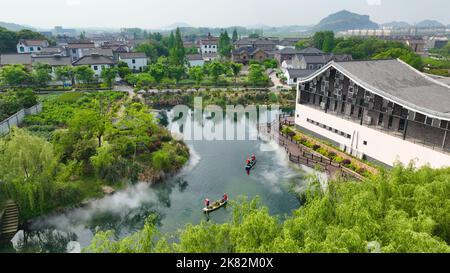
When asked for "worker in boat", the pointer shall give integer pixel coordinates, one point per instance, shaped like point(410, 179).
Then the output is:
point(224, 197)
point(253, 157)
point(248, 161)
point(207, 203)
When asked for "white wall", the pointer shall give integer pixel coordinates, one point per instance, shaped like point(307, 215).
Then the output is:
point(196, 63)
point(139, 65)
point(100, 68)
point(28, 49)
point(289, 81)
point(208, 49)
point(380, 146)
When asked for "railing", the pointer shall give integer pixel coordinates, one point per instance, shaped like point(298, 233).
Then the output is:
point(17, 118)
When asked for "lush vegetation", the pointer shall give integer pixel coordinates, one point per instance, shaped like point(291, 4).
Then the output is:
point(10, 39)
point(80, 143)
point(13, 101)
point(404, 210)
point(216, 73)
point(40, 76)
point(222, 99)
point(362, 48)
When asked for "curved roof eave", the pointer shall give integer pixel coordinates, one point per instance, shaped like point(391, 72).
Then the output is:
point(385, 95)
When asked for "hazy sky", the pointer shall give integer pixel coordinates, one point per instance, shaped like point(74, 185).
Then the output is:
point(158, 13)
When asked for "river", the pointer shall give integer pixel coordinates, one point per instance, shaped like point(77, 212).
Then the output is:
point(215, 167)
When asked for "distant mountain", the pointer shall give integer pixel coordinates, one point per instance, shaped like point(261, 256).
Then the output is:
point(175, 25)
point(345, 20)
point(429, 23)
point(15, 27)
point(396, 24)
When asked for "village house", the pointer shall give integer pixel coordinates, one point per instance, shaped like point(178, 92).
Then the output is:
point(286, 53)
point(380, 110)
point(209, 44)
point(54, 61)
point(136, 61)
point(98, 63)
point(209, 57)
point(245, 54)
point(266, 44)
point(30, 46)
point(75, 49)
point(195, 60)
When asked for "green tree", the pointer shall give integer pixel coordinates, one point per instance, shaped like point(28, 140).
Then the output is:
point(235, 36)
point(84, 74)
point(405, 55)
point(109, 75)
point(224, 45)
point(177, 72)
point(64, 74)
point(236, 69)
point(157, 71)
point(177, 54)
point(14, 75)
point(196, 73)
point(123, 70)
point(257, 75)
point(215, 69)
point(42, 74)
point(27, 166)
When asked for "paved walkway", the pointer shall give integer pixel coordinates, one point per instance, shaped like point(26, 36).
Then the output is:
point(303, 155)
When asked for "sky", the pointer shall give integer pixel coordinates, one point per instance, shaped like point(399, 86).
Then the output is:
point(151, 14)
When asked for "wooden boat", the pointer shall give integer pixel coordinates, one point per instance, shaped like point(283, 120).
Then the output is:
point(251, 165)
point(214, 206)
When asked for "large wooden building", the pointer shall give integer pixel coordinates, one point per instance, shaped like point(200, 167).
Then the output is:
point(382, 110)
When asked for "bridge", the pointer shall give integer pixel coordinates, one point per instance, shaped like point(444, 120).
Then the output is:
point(9, 221)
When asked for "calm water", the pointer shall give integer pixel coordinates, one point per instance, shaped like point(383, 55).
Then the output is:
point(215, 167)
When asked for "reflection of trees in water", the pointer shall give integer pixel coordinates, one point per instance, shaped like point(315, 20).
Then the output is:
point(44, 240)
point(164, 190)
point(125, 222)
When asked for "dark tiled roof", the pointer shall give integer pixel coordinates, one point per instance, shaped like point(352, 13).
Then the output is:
point(34, 42)
point(399, 82)
point(94, 59)
point(310, 50)
point(24, 59)
point(133, 55)
point(80, 45)
point(53, 60)
point(194, 57)
point(300, 73)
point(288, 50)
point(99, 51)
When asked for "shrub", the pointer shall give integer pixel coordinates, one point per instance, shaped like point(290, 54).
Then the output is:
point(346, 162)
point(315, 147)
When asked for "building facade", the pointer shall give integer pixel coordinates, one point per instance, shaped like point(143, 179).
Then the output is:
point(31, 46)
point(383, 111)
point(136, 61)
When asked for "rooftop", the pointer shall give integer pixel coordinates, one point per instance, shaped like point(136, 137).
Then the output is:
point(398, 82)
point(94, 59)
point(194, 57)
point(132, 55)
point(53, 60)
point(6, 59)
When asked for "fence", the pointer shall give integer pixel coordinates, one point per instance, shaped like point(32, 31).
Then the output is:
point(17, 118)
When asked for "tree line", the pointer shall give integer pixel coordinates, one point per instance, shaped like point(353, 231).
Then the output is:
point(402, 210)
point(362, 48)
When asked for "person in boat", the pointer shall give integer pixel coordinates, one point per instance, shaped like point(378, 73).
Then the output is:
point(253, 157)
point(207, 203)
point(224, 198)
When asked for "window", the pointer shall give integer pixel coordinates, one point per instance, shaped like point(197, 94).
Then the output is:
point(429, 121)
point(380, 119)
point(22, 49)
point(444, 124)
point(401, 125)
point(365, 143)
point(74, 51)
point(391, 120)
point(95, 67)
point(133, 61)
point(31, 48)
point(39, 48)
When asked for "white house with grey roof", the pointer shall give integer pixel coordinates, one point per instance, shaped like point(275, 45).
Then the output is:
point(136, 61)
point(98, 63)
point(381, 110)
point(31, 46)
